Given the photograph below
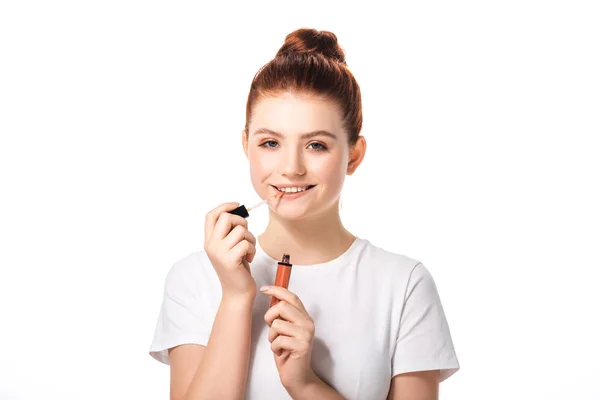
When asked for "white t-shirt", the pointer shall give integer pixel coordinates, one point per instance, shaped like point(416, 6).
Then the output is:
point(376, 313)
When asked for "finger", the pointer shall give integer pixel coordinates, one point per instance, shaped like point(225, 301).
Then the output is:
point(250, 237)
point(286, 311)
point(238, 234)
point(285, 328)
point(211, 217)
point(241, 249)
point(225, 223)
point(284, 294)
point(288, 344)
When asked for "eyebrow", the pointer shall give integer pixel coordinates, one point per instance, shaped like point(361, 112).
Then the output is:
point(265, 131)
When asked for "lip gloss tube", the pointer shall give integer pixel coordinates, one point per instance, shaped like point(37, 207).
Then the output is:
point(282, 278)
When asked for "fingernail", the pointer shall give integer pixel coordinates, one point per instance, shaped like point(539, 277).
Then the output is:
point(264, 288)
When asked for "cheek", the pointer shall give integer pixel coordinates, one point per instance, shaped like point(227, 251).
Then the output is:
point(332, 171)
point(261, 167)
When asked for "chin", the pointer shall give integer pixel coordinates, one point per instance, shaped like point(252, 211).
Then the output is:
point(292, 214)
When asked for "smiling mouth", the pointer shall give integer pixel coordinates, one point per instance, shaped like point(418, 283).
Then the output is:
point(293, 190)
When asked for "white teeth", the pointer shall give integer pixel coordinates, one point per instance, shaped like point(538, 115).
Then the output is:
point(293, 189)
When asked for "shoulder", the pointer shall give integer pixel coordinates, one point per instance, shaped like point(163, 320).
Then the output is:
point(189, 271)
point(387, 260)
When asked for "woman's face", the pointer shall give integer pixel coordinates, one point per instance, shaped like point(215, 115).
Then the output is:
point(298, 141)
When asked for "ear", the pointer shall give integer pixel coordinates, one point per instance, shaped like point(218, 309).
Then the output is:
point(245, 142)
point(357, 153)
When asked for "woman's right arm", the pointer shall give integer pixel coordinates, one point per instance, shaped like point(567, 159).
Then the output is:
point(219, 370)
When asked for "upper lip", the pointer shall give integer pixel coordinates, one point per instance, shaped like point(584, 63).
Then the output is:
point(292, 185)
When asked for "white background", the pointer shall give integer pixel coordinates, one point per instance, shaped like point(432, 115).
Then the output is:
point(121, 122)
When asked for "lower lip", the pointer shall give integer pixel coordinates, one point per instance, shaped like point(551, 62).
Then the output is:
point(292, 196)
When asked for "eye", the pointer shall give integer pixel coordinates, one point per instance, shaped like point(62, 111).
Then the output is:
point(320, 147)
point(265, 144)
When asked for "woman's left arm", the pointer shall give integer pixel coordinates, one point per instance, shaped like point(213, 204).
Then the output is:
point(422, 385)
point(291, 335)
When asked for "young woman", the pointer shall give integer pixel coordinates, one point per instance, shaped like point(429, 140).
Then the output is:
point(358, 322)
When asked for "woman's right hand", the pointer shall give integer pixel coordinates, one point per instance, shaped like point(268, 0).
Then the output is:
point(230, 248)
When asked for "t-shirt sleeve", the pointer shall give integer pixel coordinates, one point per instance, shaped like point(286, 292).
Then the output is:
point(424, 342)
point(184, 316)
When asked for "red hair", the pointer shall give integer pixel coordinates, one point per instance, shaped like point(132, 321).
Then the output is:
point(312, 62)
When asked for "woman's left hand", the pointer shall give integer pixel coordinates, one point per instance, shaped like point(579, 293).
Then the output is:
point(291, 336)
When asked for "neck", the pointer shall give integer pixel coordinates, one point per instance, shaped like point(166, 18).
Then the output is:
point(312, 240)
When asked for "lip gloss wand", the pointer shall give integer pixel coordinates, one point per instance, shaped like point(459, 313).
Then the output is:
point(244, 211)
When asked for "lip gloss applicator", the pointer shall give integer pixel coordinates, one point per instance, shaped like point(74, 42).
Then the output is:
point(244, 211)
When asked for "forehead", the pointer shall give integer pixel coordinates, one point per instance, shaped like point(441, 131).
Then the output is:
point(291, 114)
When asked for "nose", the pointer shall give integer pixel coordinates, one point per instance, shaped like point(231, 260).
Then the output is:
point(292, 163)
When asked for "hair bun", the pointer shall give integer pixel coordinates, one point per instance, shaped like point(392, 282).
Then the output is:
point(306, 41)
